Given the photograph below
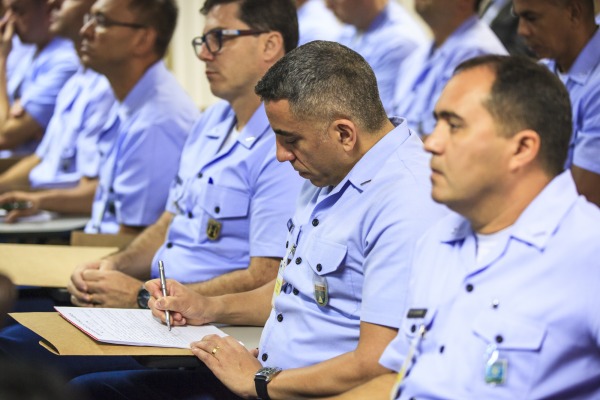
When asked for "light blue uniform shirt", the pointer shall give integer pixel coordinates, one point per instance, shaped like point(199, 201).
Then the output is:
point(152, 125)
point(358, 237)
point(18, 60)
point(76, 134)
point(317, 22)
point(38, 85)
point(583, 83)
point(242, 187)
point(390, 39)
point(534, 298)
point(424, 75)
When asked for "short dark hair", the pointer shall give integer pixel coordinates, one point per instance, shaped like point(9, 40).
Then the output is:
point(526, 95)
point(266, 15)
point(325, 80)
point(160, 15)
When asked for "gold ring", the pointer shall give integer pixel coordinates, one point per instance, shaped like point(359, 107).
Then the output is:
point(214, 351)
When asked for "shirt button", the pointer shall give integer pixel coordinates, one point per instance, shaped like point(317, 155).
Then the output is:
point(190, 215)
point(319, 267)
point(469, 288)
point(217, 209)
point(298, 260)
point(280, 317)
point(499, 339)
point(169, 245)
point(442, 348)
point(413, 328)
point(111, 189)
point(295, 291)
point(265, 356)
point(287, 244)
point(315, 222)
point(199, 175)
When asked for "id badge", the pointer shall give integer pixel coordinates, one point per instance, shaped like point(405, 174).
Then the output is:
point(321, 291)
point(496, 367)
point(282, 265)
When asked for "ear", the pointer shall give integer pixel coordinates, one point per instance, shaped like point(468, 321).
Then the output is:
point(144, 43)
point(525, 149)
point(576, 11)
point(273, 47)
point(345, 133)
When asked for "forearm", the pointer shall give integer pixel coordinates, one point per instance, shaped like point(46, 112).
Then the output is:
point(136, 258)
point(4, 102)
point(260, 271)
point(588, 184)
point(77, 200)
point(246, 308)
point(343, 373)
point(17, 176)
point(378, 388)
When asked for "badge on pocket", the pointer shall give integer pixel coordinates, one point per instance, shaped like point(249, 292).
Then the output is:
point(495, 366)
point(321, 290)
point(213, 229)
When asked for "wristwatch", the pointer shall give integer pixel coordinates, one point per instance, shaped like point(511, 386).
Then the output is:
point(142, 298)
point(262, 378)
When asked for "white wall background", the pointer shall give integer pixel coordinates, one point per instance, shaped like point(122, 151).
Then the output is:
point(188, 69)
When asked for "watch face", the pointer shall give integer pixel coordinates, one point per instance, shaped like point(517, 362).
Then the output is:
point(142, 298)
point(268, 373)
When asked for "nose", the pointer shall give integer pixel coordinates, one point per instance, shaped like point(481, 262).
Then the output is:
point(283, 154)
point(433, 142)
point(87, 29)
point(205, 55)
point(523, 28)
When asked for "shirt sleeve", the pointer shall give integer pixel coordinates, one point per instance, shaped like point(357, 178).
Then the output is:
point(272, 204)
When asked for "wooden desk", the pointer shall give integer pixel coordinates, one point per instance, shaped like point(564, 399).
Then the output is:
point(45, 265)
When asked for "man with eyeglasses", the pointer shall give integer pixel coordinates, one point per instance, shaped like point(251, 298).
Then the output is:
point(69, 151)
point(125, 41)
point(28, 94)
point(226, 214)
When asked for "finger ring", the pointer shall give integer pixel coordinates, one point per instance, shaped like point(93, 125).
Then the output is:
point(214, 351)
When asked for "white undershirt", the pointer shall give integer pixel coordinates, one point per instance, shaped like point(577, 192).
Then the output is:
point(231, 137)
point(486, 243)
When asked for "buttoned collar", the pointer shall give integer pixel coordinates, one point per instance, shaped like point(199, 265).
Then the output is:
point(538, 221)
point(585, 63)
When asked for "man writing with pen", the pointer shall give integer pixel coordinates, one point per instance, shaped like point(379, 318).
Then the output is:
point(348, 247)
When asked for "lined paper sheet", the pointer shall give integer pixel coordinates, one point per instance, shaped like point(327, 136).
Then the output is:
point(133, 327)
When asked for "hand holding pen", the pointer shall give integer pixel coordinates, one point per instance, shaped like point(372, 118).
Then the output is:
point(163, 287)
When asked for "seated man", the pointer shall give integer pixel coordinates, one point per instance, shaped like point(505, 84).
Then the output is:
point(566, 33)
point(70, 148)
point(457, 36)
point(384, 33)
point(503, 302)
point(141, 162)
point(316, 22)
point(28, 95)
point(224, 223)
point(347, 248)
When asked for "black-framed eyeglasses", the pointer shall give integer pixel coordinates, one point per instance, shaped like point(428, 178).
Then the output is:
point(103, 21)
point(214, 39)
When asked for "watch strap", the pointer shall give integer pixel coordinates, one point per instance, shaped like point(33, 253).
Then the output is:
point(261, 388)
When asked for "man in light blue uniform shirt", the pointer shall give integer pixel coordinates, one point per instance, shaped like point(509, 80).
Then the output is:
point(75, 136)
point(30, 93)
point(347, 247)
point(457, 36)
point(225, 218)
point(385, 34)
point(504, 293)
point(316, 22)
point(566, 34)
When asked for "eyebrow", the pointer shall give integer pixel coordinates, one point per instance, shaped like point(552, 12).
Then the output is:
point(281, 132)
point(446, 115)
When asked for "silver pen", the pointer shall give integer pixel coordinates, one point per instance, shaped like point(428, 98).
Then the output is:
point(163, 286)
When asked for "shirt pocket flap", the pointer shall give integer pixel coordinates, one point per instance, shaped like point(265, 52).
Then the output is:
point(223, 202)
point(325, 256)
point(509, 332)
